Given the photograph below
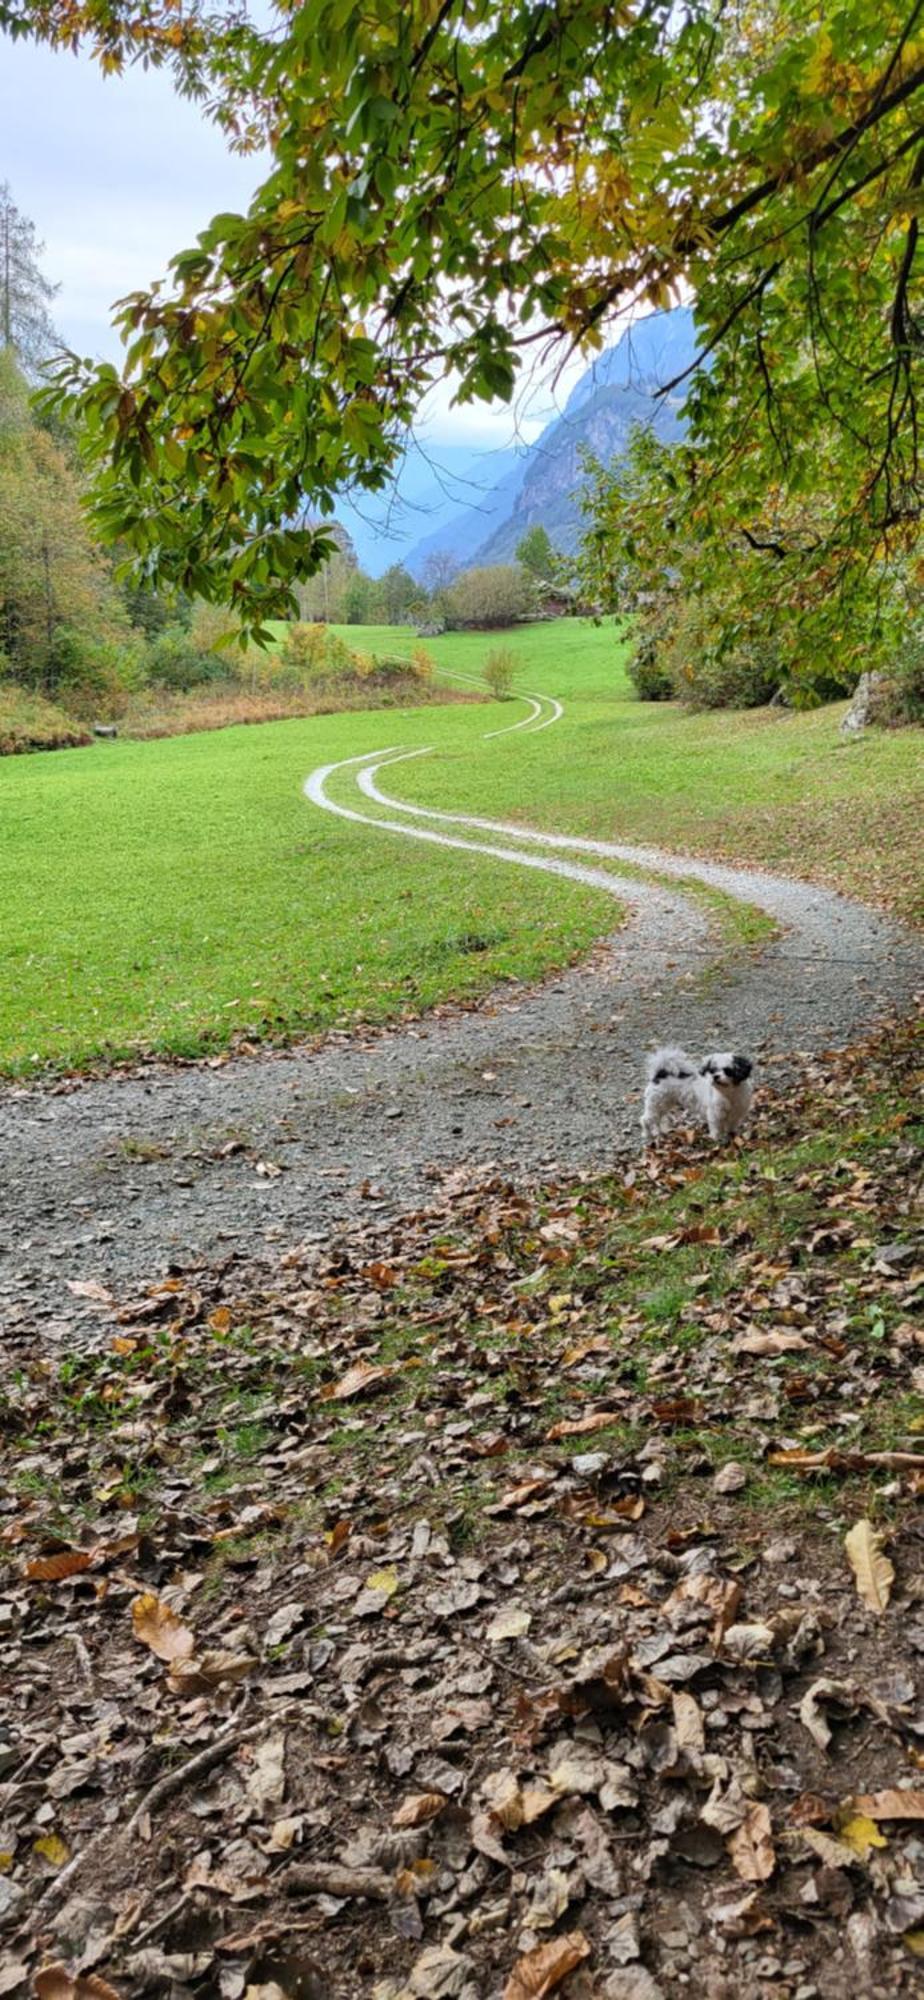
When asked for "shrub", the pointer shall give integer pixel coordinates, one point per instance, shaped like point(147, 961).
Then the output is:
point(90, 678)
point(646, 669)
point(176, 661)
point(496, 596)
point(906, 679)
point(423, 663)
point(312, 654)
point(500, 668)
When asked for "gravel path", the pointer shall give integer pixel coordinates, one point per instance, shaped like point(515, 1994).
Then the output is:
point(117, 1177)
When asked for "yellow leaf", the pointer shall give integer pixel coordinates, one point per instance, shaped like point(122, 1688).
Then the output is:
point(915, 1942)
point(52, 1849)
point(862, 1835)
point(6, 1860)
point(383, 1581)
point(873, 1571)
point(159, 1628)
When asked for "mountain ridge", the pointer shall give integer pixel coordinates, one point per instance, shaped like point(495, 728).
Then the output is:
point(623, 386)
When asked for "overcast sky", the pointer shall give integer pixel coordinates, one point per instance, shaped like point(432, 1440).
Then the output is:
point(118, 174)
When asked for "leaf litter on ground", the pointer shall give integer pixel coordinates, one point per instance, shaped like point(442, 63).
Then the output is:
point(424, 1694)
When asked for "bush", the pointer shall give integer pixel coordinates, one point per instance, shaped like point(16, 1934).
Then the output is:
point(646, 671)
point(906, 678)
point(500, 667)
point(176, 661)
point(497, 596)
point(91, 678)
point(310, 655)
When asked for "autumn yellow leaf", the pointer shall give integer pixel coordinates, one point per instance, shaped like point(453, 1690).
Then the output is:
point(159, 1628)
point(52, 1849)
point(862, 1834)
point(873, 1571)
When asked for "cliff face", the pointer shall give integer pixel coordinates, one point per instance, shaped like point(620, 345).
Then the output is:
point(619, 390)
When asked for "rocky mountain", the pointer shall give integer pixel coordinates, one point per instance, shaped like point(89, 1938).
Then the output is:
point(619, 389)
point(434, 486)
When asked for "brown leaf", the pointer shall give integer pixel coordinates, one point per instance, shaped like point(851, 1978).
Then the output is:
point(873, 1571)
point(771, 1342)
point(362, 1376)
point(54, 1982)
point(159, 1628)
point(598, 1420)
point(198, 1673)
point(543, 1969)
point(53, 1569)
point(418, 1809)
point(751, 1846)
point(889, 1805)
point(520, 1495)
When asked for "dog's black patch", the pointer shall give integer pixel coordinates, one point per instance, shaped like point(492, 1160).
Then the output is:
point(664, 1075)
point(740, 1070)
point(708, 1067)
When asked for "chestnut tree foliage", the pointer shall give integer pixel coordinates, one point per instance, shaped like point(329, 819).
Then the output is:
point(458, 184)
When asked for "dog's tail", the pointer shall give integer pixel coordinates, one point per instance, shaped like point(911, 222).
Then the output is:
point(668, 1062)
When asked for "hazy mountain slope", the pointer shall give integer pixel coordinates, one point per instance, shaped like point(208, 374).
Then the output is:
point(618, 390)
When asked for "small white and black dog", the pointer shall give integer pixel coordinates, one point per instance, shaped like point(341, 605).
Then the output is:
point(720, 1092)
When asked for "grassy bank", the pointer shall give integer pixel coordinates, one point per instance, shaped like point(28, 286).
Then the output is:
point(29, 722)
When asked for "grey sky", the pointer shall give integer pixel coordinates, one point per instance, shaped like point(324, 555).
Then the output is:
point(118, 174)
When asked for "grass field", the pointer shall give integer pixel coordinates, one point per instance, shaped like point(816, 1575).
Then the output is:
point(178, 895)
point(766, 785)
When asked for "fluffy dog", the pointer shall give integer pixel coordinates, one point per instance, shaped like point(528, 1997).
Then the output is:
point(719, 1092)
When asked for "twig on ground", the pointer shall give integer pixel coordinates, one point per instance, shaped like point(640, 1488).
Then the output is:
point(84, 1662)
point(159, 1923)
point(194, 1767)
point(170, 1782)
point(318, 1878)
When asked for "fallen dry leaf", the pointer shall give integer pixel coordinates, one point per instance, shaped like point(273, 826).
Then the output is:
point(811, 1714)
point(362, 1376)
point(53, 1569)
point(266, 1779)
point(159, 1628)
point(418, 1809)
point(510, 1623)
point(750, 1846)
point(598, 1420)
point(873, 1571)
point(894, 1804)
point(757, 1342)
point(199, 1672)
point(54, 1982)
point(543, 1969)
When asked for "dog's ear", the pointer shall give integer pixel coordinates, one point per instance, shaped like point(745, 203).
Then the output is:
point(741, 1069)
point(707, 1068)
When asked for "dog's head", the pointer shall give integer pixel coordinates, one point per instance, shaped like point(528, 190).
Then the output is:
point(727, 1071)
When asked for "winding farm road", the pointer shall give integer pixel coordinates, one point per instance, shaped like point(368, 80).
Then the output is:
point(111, 1180)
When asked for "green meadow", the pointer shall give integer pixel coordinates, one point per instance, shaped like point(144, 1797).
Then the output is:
point(181, 895)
